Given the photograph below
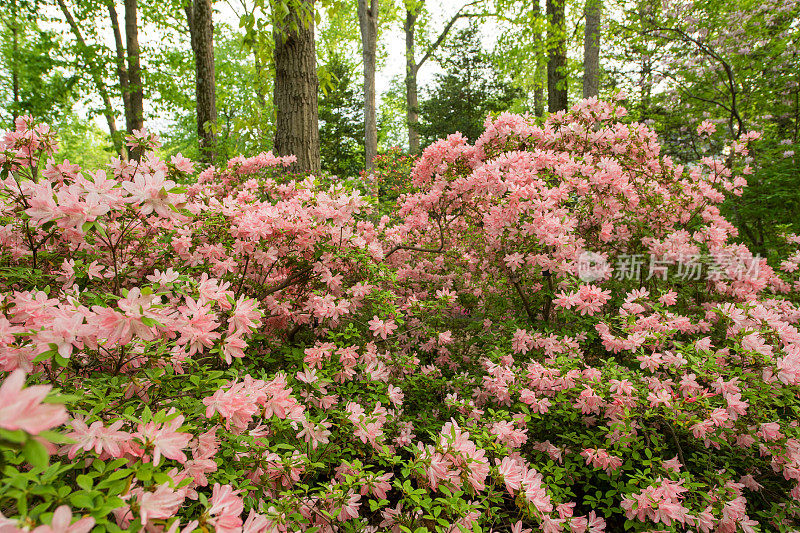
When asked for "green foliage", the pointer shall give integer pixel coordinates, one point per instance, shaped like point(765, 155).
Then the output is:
point(466, 93)
point(392, 174)
point(341, 121)
point(392, 130)
point(31, 80)
point(770, 204)
point(244, 101)
point(83, 143)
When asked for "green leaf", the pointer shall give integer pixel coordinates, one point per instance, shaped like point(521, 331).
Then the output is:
point(82, 499)
point(35, 453)
point(150, 322)
point(55, 437)
point(118, 474)
point(45, 356)
point(85, 482)
point(17, 436)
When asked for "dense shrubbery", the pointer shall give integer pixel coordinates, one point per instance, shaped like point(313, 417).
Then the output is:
point(225, 349)
point(390, 178)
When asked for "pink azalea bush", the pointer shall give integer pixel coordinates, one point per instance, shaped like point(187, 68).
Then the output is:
point(227, 349)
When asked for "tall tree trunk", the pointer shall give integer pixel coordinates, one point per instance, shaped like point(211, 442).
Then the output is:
point(108, 110)
point(201, 30)
point(368, 21)
point(557, 96)
point(538, 86)
point(15, 62)
point(645, 71)
point(296, 87)
point(591, 48)
point(646, 86)
point(413, 66)
point(134, 70)
point(122, 69)
point(259, 87)
point(412, 93)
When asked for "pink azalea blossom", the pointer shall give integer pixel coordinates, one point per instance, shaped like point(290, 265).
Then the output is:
point(22, 408)
point(62, 523)
point(380, 328)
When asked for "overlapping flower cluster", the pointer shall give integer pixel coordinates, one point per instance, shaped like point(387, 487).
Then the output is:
point(441, 368)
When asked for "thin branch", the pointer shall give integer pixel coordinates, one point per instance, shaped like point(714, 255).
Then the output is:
point(731, 81)
point(438, 250)
point(442, 36)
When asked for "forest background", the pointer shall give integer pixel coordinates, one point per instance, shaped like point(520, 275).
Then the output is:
point(202, 74)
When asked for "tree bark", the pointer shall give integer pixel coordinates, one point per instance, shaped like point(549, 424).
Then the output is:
point(201, 30)
point(368, 22)
point(413, 66)
point(412, 93)
point(122, 69)
point(296, 87)
point(538, 87)
point(646, 87)
point(557, 95)
point(108, 110)
point(259, 88)
point(134, 69)
point(591, 48)
point(15, 64)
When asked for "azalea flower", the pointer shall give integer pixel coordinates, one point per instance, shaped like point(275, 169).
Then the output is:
point(226, 509)
point(61, 523)
point(382, 328)
point(162, 503)
point(22, 408)
point(152, 192)
point(165, 439)
point(104, 440)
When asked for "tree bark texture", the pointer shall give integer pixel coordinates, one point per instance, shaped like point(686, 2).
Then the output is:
point(557, 95)
point(108, 110)
point(413, 66)
point(591, 48)
point(296, 87)
point(538, 87)
point(368, 22)
point(134, 67)
point(201, 30)
point(412, 92)
point(15, 64)
point(122, 68)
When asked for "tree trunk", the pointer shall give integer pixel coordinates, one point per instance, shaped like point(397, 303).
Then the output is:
point(412, 93)
point(557, 98)
point(122, 69)
point(368, 21)
point(538, 87)
point(259, 88)
point(413, 66)
point(15, 64)
point(108, 110)
point(296, 86)
point(591, 48)
point(201, 30)
point(646, 87)
point(134, 69)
